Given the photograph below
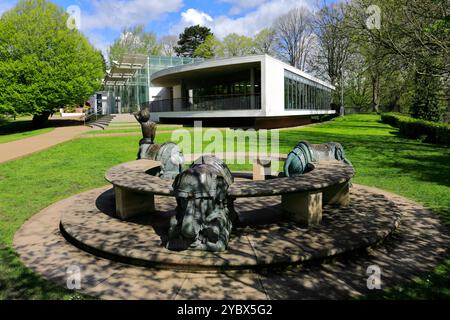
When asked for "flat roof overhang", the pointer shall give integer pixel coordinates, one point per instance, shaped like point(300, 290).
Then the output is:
point(174, 75)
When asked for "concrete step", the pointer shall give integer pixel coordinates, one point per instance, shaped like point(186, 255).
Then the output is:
point(102, 122)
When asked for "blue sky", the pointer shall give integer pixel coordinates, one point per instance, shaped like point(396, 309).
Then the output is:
point(102, 20)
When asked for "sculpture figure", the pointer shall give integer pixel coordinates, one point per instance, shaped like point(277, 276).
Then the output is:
point(203, 220)
point(170, 156)
point(300, 158)
point(148, 131)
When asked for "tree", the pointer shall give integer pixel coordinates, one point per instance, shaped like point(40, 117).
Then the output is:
point(210, 48)
point(237, 45)
point(416, 34)
point(134, 40)
point(357, 85)
point(426, 103)
point(416, 30)
point(190, 39)
point(167, 44)
point(332, 39)
point(379, 62)
point(44, 64)
point(293, 34)
point(264, 41)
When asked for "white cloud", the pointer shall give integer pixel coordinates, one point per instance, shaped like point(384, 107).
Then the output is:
point(115, 15)
point(248, 24)
point(194, 17)
point(98, 41)
point(239, 6)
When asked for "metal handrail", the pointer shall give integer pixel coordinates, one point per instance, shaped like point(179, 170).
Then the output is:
point(87, 118)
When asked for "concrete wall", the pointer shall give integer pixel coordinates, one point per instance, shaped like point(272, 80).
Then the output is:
point(272, 86)
point(177, 91)
point(159, 93)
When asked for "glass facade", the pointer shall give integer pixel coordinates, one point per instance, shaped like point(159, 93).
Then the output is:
point(302, 93)
point(128, 97)
point(243, 84)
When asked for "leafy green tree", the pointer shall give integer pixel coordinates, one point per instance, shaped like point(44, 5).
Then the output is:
point(264, 41)
point(190, 39)
point(415, 34)
point(134, 40)
point(43, 63)
point(237, 45)
point(210, 48)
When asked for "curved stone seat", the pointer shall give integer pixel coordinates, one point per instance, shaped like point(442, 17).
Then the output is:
point(133, 176)
point(324, 175)
point(302, 196)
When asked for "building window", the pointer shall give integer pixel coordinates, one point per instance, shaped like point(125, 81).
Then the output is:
point(301, 93)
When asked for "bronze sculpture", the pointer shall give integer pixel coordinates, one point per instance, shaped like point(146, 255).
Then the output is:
point(170, 156)
point(304, 153)
point(148, 131)
point(203, 220)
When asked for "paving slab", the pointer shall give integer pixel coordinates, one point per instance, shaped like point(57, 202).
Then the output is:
point(416, 247)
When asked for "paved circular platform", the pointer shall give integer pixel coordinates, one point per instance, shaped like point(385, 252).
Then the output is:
point(419, 243)
point(263, 239)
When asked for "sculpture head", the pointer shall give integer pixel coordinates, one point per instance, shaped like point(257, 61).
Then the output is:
point(299, 159)
point(340, 154)
point(171, 158)
point(202, 221)
point(143, 115)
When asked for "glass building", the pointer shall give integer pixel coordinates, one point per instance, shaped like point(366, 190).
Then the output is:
point(302, 93)
point(254, 90)
point(128, 84)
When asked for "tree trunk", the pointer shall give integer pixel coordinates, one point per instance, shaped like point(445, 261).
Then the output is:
point(376, 94)
point(40, 120)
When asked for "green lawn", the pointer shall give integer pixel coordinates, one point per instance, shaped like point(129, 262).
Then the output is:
point(22, 135)
point(136, 129)
point(11, 130)
point(416, 170)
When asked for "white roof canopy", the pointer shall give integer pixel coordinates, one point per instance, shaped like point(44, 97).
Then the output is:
point(124, 69)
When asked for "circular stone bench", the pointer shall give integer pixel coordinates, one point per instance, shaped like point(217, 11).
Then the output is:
point(302, 197)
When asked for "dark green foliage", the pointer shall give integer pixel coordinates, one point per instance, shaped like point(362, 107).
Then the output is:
point(419, 129)
point(190, 39)
point(426, 104)
point(392, 118)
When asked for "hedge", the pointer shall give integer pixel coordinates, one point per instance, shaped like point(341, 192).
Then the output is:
point(427, 131)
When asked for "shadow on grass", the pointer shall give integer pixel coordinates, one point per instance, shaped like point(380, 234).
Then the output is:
point(426, 162)
point(435, 285)
point(18, 282)
point(20, 126)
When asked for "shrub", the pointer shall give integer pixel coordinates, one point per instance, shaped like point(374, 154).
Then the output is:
point(412, 128)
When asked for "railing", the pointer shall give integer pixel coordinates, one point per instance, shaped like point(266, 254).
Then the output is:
point(206, 103)
point(92, 116)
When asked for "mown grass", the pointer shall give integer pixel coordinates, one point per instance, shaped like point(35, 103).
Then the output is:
point(136, 130)
point(410, 168)
point(23, 135)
